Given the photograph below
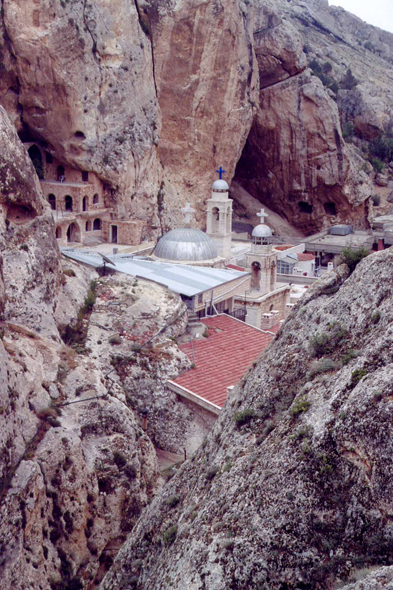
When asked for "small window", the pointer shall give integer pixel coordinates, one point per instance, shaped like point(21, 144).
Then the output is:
point(95, 199)
point(97, 224)
point(85, 176)
point(200, 299)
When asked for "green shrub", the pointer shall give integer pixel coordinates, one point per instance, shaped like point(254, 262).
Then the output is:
point(243, 417)
point(326, 342)
point(322, 366)
point(348, 129)
point(376, 317)
point(376, 164)
point(357, 375)
point(300, 405)
point(119, 459)
point(349, 82)
point(90, 297)
point(211, 473)
point(352, 256)
point(348, 356)
point(169, 535)
point(173, 501)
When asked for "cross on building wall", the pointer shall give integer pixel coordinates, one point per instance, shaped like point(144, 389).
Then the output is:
point(187, 210)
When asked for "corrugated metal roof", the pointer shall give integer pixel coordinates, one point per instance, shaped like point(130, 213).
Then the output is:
point(180, 278)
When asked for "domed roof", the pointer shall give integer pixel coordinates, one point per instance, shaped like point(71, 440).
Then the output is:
point(262, 231)
point(186, 244)
point(220, 185)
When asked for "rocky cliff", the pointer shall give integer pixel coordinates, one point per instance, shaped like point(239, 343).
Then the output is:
point(76, 468)
point(154, 95)
point(292, 489)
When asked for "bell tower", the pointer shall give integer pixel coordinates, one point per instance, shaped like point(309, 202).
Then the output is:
point(219, 216)
point(262, 260)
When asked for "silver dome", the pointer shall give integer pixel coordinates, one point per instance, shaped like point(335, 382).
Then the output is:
point(220, 185)
point(186, 244)
point(262, 231)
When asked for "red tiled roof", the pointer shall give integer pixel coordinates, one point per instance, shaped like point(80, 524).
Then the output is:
point(282, 248)
point(305, 256)
point(222, 358)
point(234, 267)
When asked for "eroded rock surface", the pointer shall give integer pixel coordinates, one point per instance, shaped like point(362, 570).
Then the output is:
point(293, 486)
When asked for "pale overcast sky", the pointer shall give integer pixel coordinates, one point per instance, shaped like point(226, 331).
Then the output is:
point(376, 12)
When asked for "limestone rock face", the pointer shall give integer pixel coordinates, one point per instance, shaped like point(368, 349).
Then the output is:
point(295, 159)
point(28, 247)
point(73, 478)
point(206, 83)
point(293, 486)
point(86, 87)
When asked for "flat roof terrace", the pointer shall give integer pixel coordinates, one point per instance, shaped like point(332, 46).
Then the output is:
point(334, 244)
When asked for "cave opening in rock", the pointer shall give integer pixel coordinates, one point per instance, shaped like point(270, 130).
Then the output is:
point(330, 208)
point(36, 158)
point(19, 214)
point(304, 207)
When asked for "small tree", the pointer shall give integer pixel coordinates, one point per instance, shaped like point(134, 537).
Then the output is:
point(352, 256)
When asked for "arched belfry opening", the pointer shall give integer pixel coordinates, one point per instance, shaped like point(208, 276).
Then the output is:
point(255, 275)
point(36, 157)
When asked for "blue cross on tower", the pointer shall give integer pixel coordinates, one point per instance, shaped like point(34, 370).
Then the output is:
point(220, 171)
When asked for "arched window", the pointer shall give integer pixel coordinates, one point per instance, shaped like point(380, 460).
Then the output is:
point(68, 203)
point(52, 201)
point(73, 233)
point(97, 224)
point(84, 204)
point(58, 233)
point(36, 158)
point(60, 174)
point(88, 226)
point(95, 199)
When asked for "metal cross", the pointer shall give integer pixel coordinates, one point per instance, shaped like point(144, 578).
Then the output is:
point(187, 210)
point(220, 171)
point(262, 215)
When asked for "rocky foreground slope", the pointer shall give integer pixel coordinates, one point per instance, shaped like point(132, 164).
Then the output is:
point(293, 488)
point(76, 468)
